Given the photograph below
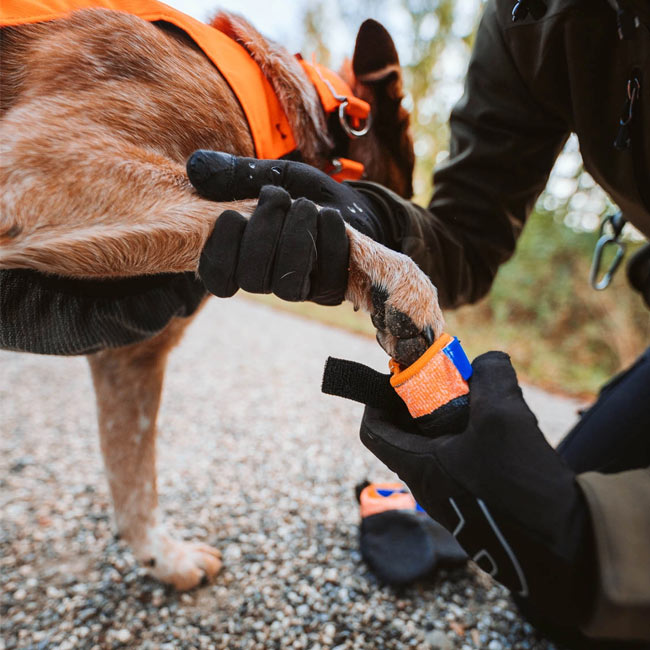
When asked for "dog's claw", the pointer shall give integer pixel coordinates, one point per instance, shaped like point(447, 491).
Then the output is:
point(396, 331)
point(428, 335)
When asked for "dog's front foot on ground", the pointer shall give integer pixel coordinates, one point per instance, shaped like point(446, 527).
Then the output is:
point(179, 563)
point(400, 299)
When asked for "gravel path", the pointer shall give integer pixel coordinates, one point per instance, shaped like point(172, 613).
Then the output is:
point(253, 459)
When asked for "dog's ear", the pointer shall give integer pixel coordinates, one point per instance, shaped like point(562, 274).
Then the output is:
point(387, 151)
point(375, 65)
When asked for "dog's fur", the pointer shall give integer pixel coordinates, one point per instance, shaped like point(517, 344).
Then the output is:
point(99, 112)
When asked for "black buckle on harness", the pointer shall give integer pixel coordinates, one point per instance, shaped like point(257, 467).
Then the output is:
point(616, 221)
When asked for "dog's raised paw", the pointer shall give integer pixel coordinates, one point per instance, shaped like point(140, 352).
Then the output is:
point(402, 302)
point(182, 564)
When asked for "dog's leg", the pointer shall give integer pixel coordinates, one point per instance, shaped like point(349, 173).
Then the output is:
point(128, 384)
point(397, 294)
point(97, 207)
point(93, 206)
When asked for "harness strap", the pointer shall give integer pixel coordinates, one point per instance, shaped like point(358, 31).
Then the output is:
point(344, 169)
point(354, 114)
point(334, 92)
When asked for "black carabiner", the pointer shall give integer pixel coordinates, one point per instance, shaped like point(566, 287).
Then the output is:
point(616, 221)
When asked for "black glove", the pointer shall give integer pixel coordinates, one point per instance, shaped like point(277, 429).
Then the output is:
point(508, 498)
point(290, 249)
point(223, 177)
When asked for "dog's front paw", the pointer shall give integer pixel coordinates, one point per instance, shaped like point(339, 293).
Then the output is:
point(182, 564)
point(401, 300)
point(396, 331)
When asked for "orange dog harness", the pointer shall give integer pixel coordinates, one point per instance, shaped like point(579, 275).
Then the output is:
point(354, 114)
point(268, 123)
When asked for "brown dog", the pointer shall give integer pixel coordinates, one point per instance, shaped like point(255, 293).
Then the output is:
point(94, 186)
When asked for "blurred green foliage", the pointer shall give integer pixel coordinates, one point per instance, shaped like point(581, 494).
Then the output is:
point(560, 332)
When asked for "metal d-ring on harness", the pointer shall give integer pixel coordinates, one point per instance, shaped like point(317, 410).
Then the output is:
point(338, 99)
point(351, 131)
point(616, 221)
point(343, 116)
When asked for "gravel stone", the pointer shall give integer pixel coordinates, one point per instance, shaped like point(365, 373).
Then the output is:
point(253, 459)
point(439, 641)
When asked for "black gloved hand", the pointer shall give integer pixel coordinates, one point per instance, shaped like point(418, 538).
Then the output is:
point(290, 249)
point(508, 498)
point(223, 177)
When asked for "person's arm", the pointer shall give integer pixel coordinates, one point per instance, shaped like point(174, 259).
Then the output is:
point(503, 146)
point(511, 502)
point(572, 549)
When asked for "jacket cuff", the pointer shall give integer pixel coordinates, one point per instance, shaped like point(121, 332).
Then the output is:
point(391, 209)
point(620, 514)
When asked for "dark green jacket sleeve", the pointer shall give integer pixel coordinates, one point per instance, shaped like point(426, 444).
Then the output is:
point(503, 146)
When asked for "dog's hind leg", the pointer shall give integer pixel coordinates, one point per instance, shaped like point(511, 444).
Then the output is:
point(128, 383)
point(89, 205)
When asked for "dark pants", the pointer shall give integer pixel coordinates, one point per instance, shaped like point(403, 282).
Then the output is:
point(614, 434)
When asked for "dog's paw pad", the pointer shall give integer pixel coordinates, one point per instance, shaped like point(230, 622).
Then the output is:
point(397, 333)
point(400, 324)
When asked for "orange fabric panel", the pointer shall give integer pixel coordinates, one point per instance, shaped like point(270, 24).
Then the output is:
point(430, 382)
point(267, 121)
point(350, 170)
point(319, 75)
point(373, 503)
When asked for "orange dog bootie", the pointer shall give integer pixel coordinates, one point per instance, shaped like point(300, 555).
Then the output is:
point(434, 388)
point(398, 540)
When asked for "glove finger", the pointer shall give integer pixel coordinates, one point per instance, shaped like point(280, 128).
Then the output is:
point(330, 279)
point(296, 254)
point(493, 377)
point(260, 240)
point(496, 400)
point(405, 453)
point(395, 431)
point(218, 261)
point(220, 176)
